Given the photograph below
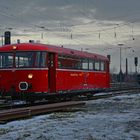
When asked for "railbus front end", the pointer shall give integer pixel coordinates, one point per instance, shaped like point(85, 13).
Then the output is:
point(23, 72)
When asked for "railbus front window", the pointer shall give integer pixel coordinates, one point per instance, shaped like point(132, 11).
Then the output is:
point(24, 59)
point(30, 59)
point(6, 60)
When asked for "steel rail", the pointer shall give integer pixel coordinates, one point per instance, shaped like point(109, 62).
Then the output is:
point(113, 93)
point(12, 114)
point(88, 96)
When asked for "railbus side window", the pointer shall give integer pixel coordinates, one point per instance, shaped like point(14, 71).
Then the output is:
point(40, 60)
point(85, 64)
point(37, 59)
point(44, 59)
point(91, 64)
point(97, 65)
point(102, 66)
point(69, 62)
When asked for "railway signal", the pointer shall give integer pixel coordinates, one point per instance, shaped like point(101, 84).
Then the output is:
point(7, 36)
point(136, 63)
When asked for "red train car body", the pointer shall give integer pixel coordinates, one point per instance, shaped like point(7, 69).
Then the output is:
point(36, 69)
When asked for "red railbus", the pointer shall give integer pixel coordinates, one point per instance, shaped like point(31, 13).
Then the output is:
point(30, 69)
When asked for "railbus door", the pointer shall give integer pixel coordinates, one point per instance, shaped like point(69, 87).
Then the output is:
point(52, 72)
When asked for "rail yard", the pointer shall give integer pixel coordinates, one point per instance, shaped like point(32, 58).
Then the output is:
point(114, 117)
point(69, 70)
point(52, 82)
point(10, 111)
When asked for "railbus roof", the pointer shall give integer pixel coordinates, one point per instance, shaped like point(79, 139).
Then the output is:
point(51, 48)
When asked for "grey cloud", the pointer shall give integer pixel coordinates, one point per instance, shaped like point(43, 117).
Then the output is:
point(117, 9)
point(70, 12)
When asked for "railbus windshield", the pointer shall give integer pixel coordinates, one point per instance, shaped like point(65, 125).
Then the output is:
point(23, 59)
point(6, 60)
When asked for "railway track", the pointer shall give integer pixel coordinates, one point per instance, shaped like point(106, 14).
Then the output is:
point(89, 96)
point(114, 93)
point(12, 114)
point(28, 111)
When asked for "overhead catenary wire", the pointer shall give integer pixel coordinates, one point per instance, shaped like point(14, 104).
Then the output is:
point(102, 31)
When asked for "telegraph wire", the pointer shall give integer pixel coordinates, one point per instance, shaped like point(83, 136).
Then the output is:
point(95, 31)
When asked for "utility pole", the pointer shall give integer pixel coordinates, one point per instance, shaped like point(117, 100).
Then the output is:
point(126, 68)
point(120, 73)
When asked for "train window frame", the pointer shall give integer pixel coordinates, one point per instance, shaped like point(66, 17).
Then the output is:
point(30, 62)
point(85, 64)
point(64, 59)
point(22, 61)
point(91, 64)
point(102, 66)
point(97, 65)
point(39, 61)
point(6, 62)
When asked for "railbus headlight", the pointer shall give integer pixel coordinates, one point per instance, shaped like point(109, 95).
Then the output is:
point(14, 47)
point(30, 76)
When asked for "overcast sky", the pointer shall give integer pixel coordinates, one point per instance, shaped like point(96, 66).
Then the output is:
point(93, 25)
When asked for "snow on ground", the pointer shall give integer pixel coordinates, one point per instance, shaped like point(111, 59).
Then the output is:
point(116, 118)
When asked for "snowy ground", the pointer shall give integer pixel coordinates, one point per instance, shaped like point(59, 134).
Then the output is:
point(116, 118)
